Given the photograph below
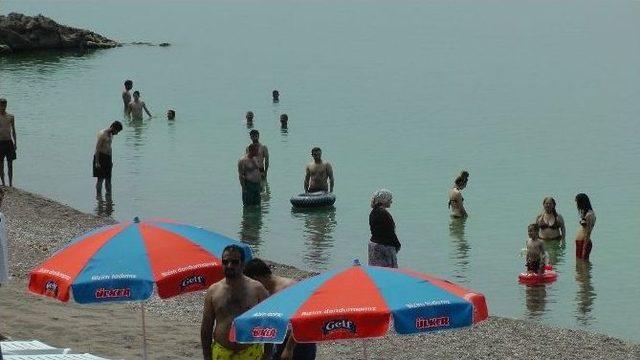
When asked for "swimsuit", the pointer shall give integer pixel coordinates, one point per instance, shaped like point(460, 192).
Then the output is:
point(579, 246)
point(104, 171)
point(8, 150)
point(251, 193)
point(253, 352)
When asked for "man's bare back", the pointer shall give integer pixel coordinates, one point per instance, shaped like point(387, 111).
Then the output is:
point(103, 144)
point(248, 169)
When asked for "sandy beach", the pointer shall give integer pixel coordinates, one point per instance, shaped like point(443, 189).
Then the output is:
point(38, 227)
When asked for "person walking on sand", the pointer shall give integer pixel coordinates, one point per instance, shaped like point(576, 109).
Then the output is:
point(4, 246)
point(455, 195)
point(250, 176)
point(223, 302)
point(587, 223)
point(262, 157)
point(384, 244)
point(8, 141)
point(258, 270)
point(102, 161)
point(550, 222)
point(136, 107)
point(318, 174)
point(126, 95)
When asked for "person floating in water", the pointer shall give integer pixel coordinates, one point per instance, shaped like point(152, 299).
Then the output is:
point(102, 158)
point(171, 114)
point(536, 256)
point(284, 121)
point(249, 117)
point(319, 174)
point(587, 223)
point(136, 107)
point(8, 141)
point(126, 95)
point(276, 96)
point(455, 195)
point(262, 158)
point(550, 222)
point(250, 176)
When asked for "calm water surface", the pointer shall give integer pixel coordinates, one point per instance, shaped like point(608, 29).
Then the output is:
point(533, 98)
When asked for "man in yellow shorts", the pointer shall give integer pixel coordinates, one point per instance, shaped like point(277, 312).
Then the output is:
point(224, 301)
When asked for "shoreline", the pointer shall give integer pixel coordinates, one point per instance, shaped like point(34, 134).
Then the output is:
point(37, 227)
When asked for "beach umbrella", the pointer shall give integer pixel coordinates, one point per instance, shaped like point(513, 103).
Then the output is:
point(125, 261)
point(359, 302)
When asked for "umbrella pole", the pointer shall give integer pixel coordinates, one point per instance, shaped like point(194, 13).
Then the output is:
point(144, 334)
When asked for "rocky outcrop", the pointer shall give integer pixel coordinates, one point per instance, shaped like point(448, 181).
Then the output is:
point(19, 33)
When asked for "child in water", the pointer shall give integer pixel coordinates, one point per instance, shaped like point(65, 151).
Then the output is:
point(536, 255)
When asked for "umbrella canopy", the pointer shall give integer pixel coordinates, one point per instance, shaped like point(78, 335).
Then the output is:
point(122, 262)
point(358, 302)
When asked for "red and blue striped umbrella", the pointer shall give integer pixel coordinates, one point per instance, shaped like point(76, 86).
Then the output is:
point(359, 302)
point(123, 262)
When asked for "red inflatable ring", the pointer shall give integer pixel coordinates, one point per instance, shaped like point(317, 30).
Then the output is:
point(534, 279)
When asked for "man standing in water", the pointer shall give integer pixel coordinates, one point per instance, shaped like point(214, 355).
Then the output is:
point(126, 95)
point(260, 271)
point(263, 153)
point(249, 117)
point(8, 141)
point(250, 176)
point(102, 162)
point(317, 174)
point(223, 302)
point(136, 107)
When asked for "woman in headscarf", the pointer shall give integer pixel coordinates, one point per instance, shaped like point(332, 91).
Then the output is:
point(384, 244)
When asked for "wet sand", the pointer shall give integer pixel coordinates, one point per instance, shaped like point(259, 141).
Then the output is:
point(38, 227)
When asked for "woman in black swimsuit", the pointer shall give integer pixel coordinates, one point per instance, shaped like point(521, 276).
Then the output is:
point(550, 222)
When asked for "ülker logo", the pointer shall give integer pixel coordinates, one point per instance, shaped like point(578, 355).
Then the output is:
point(103, 293)
point(427, 323)
point(339, 324)
point(260, 332)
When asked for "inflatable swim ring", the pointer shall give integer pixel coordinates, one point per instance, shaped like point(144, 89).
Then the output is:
point(534, 279)
point(313, 200)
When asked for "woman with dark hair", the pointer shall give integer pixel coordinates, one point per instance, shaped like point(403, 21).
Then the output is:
point(551, 223)
point(384, 244)
point(455, 195)
point(587, 222)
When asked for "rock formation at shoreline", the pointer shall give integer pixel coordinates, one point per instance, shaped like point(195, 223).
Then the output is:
point(20, 33)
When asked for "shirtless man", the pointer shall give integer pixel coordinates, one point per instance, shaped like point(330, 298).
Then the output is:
point(8, 141)
point(250, 176)
point(258, 270)
point(136, 107)
point(126, 95)
point(317, 174)
point(284, 121)
point(102, 163)
point(223, 302)
point(263, 153)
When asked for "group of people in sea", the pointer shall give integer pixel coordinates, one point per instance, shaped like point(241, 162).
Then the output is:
point(548, 226)
point(246, 284)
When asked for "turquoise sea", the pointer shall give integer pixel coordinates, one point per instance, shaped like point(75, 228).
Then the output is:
point(533, 98)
